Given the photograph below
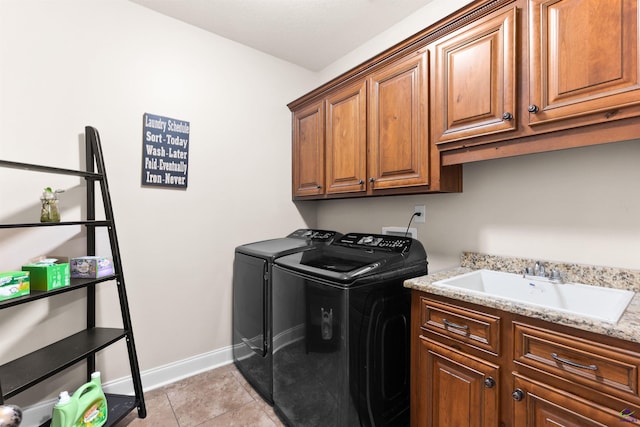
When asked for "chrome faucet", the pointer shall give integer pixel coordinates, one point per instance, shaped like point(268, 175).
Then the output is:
point(539, 271)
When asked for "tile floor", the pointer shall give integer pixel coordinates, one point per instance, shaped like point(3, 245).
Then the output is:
point(220, 397)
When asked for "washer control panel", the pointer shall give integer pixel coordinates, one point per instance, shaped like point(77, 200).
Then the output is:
point(377, 241)
point(314, 235)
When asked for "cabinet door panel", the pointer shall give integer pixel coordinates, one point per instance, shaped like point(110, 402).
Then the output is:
point(453, 392)
point(583, 57)
point(474, 79)
point(308, 150)
point(542, 406)
point(346, 144)
point(398, 137)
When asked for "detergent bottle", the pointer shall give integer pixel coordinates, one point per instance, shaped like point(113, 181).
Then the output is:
point(92, 404)
point(64, 411)
point(87, 407)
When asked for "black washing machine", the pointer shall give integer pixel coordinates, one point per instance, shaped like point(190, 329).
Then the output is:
point(252, 327)
point(341, 315)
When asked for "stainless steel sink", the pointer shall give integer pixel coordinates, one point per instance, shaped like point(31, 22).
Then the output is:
point(594, 302)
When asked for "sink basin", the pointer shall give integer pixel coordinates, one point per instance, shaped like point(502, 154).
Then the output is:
point(594, 302)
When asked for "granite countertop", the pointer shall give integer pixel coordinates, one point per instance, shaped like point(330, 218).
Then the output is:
point(627, 328)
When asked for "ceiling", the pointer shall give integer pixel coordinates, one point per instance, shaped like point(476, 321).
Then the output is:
point(310, 33)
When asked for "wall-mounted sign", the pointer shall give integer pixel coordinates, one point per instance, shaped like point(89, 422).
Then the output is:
point(165, 151)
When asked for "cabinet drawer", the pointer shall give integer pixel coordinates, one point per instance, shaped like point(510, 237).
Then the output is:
point(471, 327)
point(603, 368)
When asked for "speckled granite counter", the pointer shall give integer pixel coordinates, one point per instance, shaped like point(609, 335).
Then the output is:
point(627, 328)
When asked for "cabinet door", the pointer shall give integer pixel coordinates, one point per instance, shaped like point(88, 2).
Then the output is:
point(398, 124)
point(474, 79)
point(542, 405)
point(308, 150)
point(583, 58)
point(457, 389)
point(346, 144)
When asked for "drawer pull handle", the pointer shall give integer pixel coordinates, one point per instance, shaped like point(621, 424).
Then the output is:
point(454, 325)
point(574, 364)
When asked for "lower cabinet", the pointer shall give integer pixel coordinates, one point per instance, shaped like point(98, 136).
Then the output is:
point(474, 366)
point(456, 387)
point(537, 404)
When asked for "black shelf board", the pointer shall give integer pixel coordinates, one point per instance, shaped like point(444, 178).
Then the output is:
point(94, 223)
point(49, 169)
point(28, 370)
point(35, 295)
point(118, 405)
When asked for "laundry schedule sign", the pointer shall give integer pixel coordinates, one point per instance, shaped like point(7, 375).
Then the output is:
point(165, 151)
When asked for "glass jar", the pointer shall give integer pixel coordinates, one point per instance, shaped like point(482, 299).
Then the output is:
point(49, 211)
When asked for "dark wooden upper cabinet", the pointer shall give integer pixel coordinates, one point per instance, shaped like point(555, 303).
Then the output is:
point(346, 144)
point(583, 58)
point(308, 150)
point(474, 79)
point(398, 124)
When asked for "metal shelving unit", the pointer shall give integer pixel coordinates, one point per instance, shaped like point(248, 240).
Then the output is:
point(27, 371)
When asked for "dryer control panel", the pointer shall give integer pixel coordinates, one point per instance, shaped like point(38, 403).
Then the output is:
point(377, 241)
point(314, 235)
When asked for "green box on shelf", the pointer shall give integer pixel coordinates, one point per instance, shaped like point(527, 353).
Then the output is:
point(48, 274)
point(91, 267)
point(14, 284)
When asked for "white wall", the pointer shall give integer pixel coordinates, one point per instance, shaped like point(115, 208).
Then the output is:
point(71, 63)
point(577, 205)
point(419, 20)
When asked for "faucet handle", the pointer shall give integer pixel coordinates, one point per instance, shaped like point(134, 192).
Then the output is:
point(541, 270)
point(556, 275)
point(538, 269)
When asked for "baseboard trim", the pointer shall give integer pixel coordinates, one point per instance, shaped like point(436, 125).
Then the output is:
point(35, 415)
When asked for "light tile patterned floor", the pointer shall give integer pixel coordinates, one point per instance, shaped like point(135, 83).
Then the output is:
point(220, 397)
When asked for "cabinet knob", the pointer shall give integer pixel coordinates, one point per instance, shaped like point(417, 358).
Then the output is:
point(372, 179)
point(319, 186)
point(533, 108)
point(517, 395)
point(489, 382)
point(361, 182)
point(507, 116)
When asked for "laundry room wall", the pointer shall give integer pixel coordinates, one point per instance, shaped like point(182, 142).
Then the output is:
point(575, 205)
point(105, 63)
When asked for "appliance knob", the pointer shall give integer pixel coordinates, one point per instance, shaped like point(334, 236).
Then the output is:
point(367, 240)
point(517, 395)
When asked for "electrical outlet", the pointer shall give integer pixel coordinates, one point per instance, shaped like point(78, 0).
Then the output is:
point(422, 210)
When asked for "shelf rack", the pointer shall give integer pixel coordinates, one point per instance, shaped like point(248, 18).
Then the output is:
point(27, 371)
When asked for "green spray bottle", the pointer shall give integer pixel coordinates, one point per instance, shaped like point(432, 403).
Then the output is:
point(87, 407)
